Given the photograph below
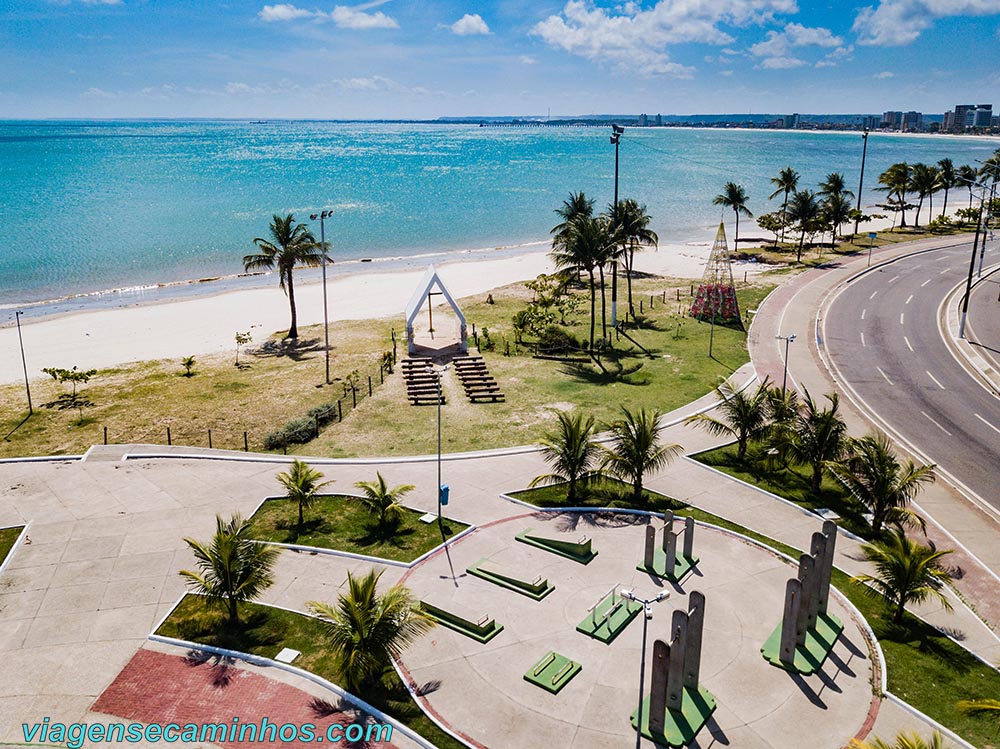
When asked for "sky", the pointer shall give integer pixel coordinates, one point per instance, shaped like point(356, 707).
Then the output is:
point(423, 59)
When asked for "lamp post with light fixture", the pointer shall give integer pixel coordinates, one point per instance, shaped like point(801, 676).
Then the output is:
point(616, 136)
point(323, 216)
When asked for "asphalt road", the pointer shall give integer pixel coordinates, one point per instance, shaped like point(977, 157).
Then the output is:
point(882, 335)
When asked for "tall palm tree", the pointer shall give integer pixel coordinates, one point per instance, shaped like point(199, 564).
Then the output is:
point(880, 482)
point(896, 182)
point(967, 175)
point(575, 206)
point(735, 197)
point(381, 501)
point(924, 182)
point(786, 182)
point(836, 211)
point(905, 572)
point(804, 210)
point(902, 741)
point(834, 185)
point(302, 485)
point(741, 415)
point(571, 452)
point(585, 244)
point(232, 568)
point(367, 630)
point(815, 437)
point(290, 244)
point(636, 449)
point(631, 225)
point(948, 178)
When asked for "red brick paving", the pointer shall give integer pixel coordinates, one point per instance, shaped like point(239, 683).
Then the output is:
point(160, 688)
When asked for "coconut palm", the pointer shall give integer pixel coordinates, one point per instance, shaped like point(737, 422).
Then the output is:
point(742, 415)
point(571, 452)
point(381, 501)
point(924, 182)
point(906, 572)
point(585, 243)
point(834, 185)
point(902, 741)
point(814, 437)
point(967, 175)
point(735, 197)
point(947, 178)
point(575, 206)
point(631, 225)
point(636, 449)
point(878, 480)
point(836, 211)
point(290, 244)
point(302, 485)
point(188, 363)
point(232, 568)
point(896, 183)
point(804, 210)
point(367, 630)
point(786, 182)
point(989, 709)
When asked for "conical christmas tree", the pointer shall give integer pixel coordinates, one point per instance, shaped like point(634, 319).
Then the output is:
point(716, 297)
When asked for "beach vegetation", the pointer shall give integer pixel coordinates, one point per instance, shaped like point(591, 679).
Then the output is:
point(571, 451)
point(630, 225)
point(74, 376)
point(805, 213)
point(585, 243)
point(836, 211)
point(947, 179)
point(302, 484)
point(924, 181)
point(291, 244)
point(741, 414)
point(902, 741)
point(775, 222)
point(786, 183)
point(734, 196)
point(242, 339)
point(896, 182)
point(636, 448)
point(188, 363)
point(813, 436)
point(383, 502)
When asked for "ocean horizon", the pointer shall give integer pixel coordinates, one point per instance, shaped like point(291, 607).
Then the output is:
point(125, 211)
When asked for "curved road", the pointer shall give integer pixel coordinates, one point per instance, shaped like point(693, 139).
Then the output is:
point(881, 334)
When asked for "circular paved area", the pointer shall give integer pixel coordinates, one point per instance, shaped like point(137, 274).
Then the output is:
point(483, 693)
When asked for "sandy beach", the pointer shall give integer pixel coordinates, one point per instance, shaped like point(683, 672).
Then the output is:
point(174, 329)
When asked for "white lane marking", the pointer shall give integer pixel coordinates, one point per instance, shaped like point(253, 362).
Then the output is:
point(873, 294)
point(936, 424)
point(936, 382)
point(894, 278)
point(908, 343)
point(926, 282)
point(863, 313)
point(995, 429)
point(863, 339)
point(885, 376)
point(900, 318)
point(909, 299)
point(946, 270)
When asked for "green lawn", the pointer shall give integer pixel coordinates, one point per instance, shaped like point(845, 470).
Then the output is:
point(337, 522)
point(923, 666)
point(793, 483)
point(8, 537)
point(266, 630)
point(607, 493)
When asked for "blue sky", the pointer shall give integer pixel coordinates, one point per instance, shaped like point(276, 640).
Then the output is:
point(431, 58)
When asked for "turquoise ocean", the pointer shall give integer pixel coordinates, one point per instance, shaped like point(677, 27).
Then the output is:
point(110, 213)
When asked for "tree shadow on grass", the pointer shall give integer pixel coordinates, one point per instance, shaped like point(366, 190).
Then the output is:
point(915, 633)
point(391, 534)
point(614, 372)
point(68, 401)
point(296, 349)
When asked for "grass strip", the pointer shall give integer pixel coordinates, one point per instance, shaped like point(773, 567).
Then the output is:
point(8, 537)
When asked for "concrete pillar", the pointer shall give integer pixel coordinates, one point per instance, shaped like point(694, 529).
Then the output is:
point(689, 538)
point(668, 526)
point(696, 626)
point(670, 550)
point(817, 549)
point(789, 622)
point(826, 573)
point(807, 572)
point(658, 686)
point(647, 557)
point(678, 650)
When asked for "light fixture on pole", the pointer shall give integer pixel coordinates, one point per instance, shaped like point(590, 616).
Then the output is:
point(861, 182)
point(323, 216)
point(647, 605)
point(20, 341)
point(616, 136)
point(784, 380)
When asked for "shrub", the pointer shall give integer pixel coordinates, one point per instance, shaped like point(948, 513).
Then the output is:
point(556, 340)
point(295, 432)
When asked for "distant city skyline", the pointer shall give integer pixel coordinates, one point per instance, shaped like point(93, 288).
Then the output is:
point(423, 59)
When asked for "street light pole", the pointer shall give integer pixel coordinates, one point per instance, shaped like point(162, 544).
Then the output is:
point(616, 136)
point(647, 615)
point(20, 341)
point(861, 182)
point(784, 380)
point(440, 489)
point(326, 321)
point(972, 268)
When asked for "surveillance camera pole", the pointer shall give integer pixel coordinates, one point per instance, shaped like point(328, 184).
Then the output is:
point(784, 380)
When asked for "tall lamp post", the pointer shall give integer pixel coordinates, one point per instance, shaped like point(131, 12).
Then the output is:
point(442, 490)
point(972, 265)
point(616, 136)
point(323, 216)
point(647, 605)
point(20, 341)
point(784, 379)
point(861, 182)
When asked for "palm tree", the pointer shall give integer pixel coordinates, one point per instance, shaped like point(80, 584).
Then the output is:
point(804, 210)
point(575, 206)
point(571, 452)
point(923, 181)
point(188, 363)
point(967, 175)
point(291, 244)
point(233, 568)
point(302, 485)
point(903, 741)
point(948, 178)
point(743, 416)
point(814, 437)
point(836, 212)
point(905, 572)
point(631, 225)
point(584, 243)
point(635, 448)
point(981, 709)
point(786, 182)
point(367, 630)
point(895, 182)
point(878, 481)
point(834, 185)
point(381, 501)
point(735, 197)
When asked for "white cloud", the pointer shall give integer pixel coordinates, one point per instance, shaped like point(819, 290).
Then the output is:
point(98, 93)
point(471, 24)
point(637, 39)
point(781, 63)
point(884, 75)
point(353, 18)
point(526, 60)
point(893, 23)
point(777, 49)
point(283, 12)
